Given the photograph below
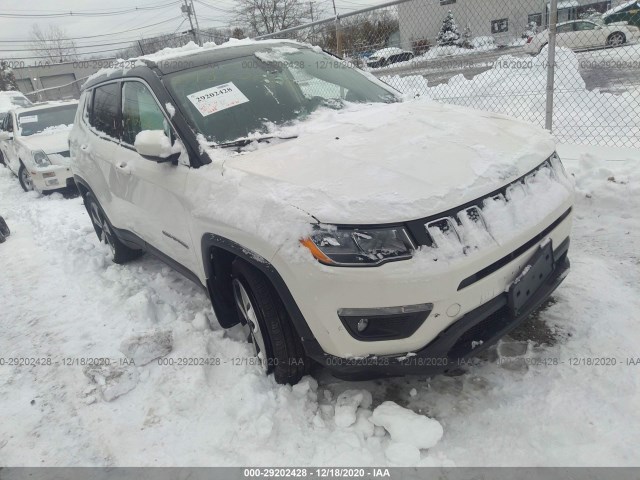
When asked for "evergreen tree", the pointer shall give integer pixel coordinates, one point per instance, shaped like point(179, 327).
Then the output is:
point(7, 78)
point(449, 33)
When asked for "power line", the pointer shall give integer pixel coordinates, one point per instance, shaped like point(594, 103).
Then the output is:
point(102, 35)
point(86, 13)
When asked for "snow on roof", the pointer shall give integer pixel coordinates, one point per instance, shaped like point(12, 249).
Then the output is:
point(621, 7)
point(387, 51)
point(45, 105)
point(190, 48)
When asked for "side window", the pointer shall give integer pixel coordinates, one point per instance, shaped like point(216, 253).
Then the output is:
point(140, 111)
point(9, 123)
point(567, 27)
point(105, 109)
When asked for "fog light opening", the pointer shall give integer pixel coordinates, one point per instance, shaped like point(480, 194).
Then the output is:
point(363, 323)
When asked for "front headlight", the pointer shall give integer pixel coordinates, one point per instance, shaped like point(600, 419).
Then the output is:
point(359, 247)
point(41, 159)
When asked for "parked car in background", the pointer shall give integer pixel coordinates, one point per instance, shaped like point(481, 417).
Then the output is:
point(627, 12)
point(332, 221)
point(387, 56)
point(34, 144)
point(9, 100)
point(585, 34)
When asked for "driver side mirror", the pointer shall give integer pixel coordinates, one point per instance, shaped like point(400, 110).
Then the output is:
point(4, 135)
point(156, 146)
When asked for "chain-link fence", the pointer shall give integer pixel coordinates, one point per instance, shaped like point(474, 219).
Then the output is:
point(494, 55)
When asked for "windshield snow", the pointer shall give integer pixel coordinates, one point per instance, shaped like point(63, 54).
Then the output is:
point(46, 120)
point(243, 96)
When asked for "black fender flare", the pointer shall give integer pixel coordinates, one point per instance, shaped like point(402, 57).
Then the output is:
point(210, 241)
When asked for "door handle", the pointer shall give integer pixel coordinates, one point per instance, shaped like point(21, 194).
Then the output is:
point(123, 167)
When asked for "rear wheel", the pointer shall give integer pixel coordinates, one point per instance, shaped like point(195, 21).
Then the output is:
point(616, 39)
point(275, 341)
point(120, 252)
point(26, 182)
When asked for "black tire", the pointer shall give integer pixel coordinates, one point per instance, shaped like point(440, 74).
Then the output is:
point(284, 351)
point(4, 228)
point(24, 177)
point(542, 47)
point(104, 230)
point(2, 238)
point(2, 159)
point(616, 39)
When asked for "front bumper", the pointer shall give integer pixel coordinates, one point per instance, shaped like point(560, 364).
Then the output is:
point(466, 337)
point(52, 177)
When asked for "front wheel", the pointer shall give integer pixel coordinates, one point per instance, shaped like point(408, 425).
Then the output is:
point(26, 182)
point(616, 39)
point(119, 251)
point(276, 343)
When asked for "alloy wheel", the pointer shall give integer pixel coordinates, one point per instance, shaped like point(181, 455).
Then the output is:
point(616, 40)
point(27, 181)
point(247, 311)
point(101, 226)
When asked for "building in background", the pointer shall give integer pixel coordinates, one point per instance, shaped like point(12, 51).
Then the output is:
point(505, 20)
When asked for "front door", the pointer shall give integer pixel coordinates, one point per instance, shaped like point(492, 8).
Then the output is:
point(152, 192)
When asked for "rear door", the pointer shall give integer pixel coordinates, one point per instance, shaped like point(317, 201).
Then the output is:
point(151, 193)
point(564, 35)
point(97, 147)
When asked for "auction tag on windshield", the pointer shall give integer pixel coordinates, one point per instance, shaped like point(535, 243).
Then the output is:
point(29, 119)
point(218, 98)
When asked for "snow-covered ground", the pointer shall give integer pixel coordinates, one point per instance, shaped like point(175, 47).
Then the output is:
point(516, 86)
point(535, 400)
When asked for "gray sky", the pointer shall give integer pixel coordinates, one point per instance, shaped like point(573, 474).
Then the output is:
point(215, 13)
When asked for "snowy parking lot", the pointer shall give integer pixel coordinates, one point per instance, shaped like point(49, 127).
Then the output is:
point(561, 390)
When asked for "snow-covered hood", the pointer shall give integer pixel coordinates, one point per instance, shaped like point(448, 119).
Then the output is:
point(49, 142)
point(398, 162)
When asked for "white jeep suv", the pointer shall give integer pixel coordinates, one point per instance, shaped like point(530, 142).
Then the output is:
point(333, 220)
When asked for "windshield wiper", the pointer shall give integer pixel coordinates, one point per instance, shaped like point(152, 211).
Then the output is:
point(243, 142)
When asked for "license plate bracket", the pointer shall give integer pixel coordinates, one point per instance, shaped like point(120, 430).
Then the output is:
point(531, 278)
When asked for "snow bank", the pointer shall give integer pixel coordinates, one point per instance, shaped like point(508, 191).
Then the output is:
point(145, 348)
point(406, 426)
point(516, 86)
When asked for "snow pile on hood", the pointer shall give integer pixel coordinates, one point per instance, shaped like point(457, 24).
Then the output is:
point(370, 164)
point(516, 86)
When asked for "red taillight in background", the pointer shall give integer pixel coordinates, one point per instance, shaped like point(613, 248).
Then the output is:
point(529, 39)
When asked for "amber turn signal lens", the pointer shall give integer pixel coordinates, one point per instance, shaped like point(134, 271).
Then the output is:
point(315, 251)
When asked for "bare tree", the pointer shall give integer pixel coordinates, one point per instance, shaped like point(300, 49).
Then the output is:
point(53, 44)
point(269, 16)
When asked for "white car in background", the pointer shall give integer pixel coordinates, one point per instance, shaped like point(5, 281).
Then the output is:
point(585, 34)
point(10, 100)
point(34, 144)
point(387, 56)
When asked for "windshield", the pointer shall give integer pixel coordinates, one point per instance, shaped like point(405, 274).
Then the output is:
point(21, 101)
point(39, 121)
point(235, 98)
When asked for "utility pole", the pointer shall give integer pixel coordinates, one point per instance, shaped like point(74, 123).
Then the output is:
point(188, 9)
point(312, 28)
point(195, 17)
point(338, 31)
point(551, 58)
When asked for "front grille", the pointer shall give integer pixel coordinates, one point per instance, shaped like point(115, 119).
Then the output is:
point(467, 228)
